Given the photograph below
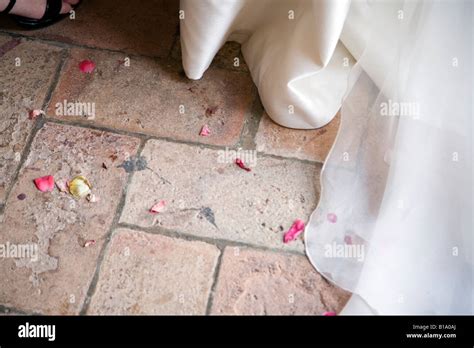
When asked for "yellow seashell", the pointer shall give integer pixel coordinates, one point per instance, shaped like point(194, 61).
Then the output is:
point(79, 187)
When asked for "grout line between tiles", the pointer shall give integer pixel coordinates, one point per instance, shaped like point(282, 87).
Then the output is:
point(215, 278)
point(24, 155)
point(148, 137)
point(62, 44)
point(293, 159)
point(57, 76)
point(38, 124)
point(8, 310)
point(218, 242)
point(108, 238)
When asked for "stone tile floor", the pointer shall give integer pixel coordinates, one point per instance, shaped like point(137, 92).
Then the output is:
point(217, 246)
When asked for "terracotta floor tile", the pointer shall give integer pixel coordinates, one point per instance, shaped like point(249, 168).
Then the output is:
point(312, 145)
point(55, 276)
point(154, 98)
point(208, 195)
point(152, 274)
point(254, 282)
point(145, 27)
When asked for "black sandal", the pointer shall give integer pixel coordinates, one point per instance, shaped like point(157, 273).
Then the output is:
point(51, 15)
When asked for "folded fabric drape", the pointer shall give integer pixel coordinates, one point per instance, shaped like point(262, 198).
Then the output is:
point(394, 222)
point(291, 47)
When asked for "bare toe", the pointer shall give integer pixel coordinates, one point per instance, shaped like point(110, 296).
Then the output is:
point(66, 8)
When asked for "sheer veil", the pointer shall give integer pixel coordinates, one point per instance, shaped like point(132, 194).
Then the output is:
point(394, 224)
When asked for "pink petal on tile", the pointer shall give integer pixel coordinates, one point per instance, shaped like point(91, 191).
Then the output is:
point(87, 66)
point(329, 314)
point(158, 207)
point(33, 114)
point(332, 218)
point(62, 185)
point(241, 164)
point(205, 131)
point(92, 198)
point(348, 240)
point(89, 243)
point(45, 184)
point(295, 230)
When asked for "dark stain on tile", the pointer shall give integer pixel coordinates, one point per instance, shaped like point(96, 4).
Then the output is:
point(208, 214)
point(133, 164)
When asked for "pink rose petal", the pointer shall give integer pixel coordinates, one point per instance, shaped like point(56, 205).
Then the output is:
point(45, 184)
point(87, 66)
point(62, 185)
point(205, 131)
point(296, 229)
point(158, 207)
point(92, 198)
point(348, 240)
point(241, 164)
point(329, 314)
point(89, 243)
point(332, 218)
point(33, 114)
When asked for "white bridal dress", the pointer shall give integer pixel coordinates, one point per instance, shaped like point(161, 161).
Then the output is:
point(394, 224)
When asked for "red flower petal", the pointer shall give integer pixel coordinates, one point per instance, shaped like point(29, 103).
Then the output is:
point(158, 207)
point(332, 218)
point(45, 184)
point(241, 164)
point(329, 314)
point(296, 229)
point(205, 131)
point(87, 66)
point(33, 114)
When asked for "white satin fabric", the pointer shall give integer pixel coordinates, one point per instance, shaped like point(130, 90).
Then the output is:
point(298, 65)
point(401, 185)
point(394, 224)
